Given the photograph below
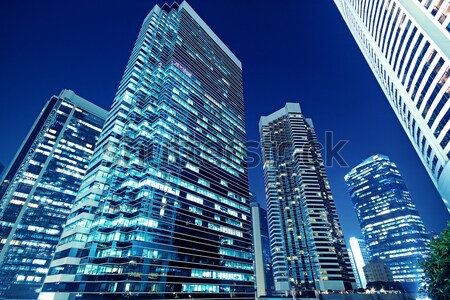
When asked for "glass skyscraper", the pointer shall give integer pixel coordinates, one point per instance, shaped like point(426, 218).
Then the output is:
point(267, 257)
point(39, 188)
point(307, 244)
point(359, 257)
point(407, 45)
point(390, 223)
point(261, 250)
point(164, 209)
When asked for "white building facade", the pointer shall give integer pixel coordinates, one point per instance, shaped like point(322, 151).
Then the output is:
point(407, 46)
point(359, 257)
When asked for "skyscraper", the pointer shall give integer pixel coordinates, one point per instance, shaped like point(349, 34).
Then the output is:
point(355, 270)
point(390, 223)
point(359, 257)
point(407, 45)
point(308, 248)
point(164, 210)
point(39, 188)
point(260, 276)
point(265, 242)
point(261, 250)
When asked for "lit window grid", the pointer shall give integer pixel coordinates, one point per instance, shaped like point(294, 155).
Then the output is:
point(389, 221)
point(166, 194)
point(293, 197)
point(38, 199)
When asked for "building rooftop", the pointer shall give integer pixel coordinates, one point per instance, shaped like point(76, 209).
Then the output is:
point(288, 108)
point(184, 5)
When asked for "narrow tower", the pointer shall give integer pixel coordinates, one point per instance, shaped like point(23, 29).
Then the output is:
point(261, 250)
point(359, 257)
point(308, 248)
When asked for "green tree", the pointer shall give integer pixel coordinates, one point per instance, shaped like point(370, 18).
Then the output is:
point(437, 268)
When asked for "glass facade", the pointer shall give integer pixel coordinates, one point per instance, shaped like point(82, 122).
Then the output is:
point(267, 258)
point(307, 244)
point(164, 209)
point(359, 257)
point(405, 42)
point(40, 187)
point(261, 250)
point(390, 223)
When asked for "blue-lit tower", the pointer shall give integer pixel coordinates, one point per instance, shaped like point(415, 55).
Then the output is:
point(390, 223)
point(164, 210)
point(264, 282)
point(307, 244)
point(39, 188)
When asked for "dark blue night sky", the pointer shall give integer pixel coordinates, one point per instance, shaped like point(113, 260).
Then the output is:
point(296, 51)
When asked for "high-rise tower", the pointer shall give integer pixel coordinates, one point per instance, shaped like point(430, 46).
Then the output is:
point(39, 188)
point(308, 247)
point(260, 276)
point(390, 223)
point(164, 210)
point(359, 257)
point(261, 250)
point(407, 45)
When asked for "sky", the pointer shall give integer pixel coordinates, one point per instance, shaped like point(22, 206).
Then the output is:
point(291, 51)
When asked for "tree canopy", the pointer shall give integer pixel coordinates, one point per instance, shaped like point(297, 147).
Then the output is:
point(437, 268)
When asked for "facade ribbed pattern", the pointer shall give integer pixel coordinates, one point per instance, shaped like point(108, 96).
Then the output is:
point(308, 249)
point(164, 210)
point(439, 10)
point(406, 43)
